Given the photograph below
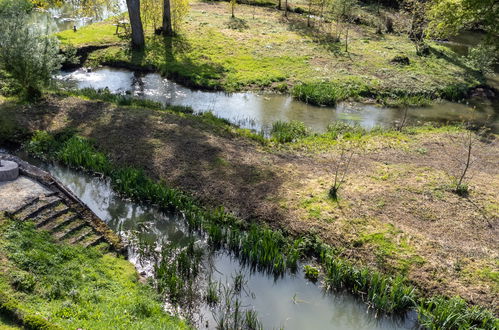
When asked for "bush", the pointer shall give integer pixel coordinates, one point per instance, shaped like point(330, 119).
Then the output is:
point(291, 131)
point(23, 281)
point(27, 51)
point(482, 58)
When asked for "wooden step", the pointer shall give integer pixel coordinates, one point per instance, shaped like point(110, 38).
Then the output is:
point(92, 240)
point(57, 222)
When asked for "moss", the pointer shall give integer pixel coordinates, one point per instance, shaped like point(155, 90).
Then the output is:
point(392, 248)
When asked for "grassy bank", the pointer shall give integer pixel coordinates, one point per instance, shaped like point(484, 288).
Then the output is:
point(377, 221)
point(262, 50)
point(49, 285)
point(265, 248)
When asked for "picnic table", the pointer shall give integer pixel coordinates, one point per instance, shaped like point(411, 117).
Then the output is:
point(122, 24)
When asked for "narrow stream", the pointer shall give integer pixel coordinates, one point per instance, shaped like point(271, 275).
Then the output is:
point(290, 302)
point(260, 111)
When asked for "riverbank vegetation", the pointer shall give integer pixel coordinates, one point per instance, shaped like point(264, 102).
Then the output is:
point(50, 285)
point(270, 52)
point(365, 225)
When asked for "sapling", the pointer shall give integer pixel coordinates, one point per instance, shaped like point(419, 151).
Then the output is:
point(341, 168)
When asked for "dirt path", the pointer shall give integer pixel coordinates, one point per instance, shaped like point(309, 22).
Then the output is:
point(396, 210)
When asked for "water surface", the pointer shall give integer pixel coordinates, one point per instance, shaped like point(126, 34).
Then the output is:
point(260, 111)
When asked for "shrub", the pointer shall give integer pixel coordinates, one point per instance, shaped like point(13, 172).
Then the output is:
point(29, 53)
point(23, 281)
point(291, 131)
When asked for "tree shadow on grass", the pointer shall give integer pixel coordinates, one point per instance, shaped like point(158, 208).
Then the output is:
point(298, 24)
point(188, 153)
point(180, 63)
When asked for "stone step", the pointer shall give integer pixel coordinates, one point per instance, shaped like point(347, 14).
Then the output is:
point(57, 222)
point(68, 230)
point(34, 208)
point(79, 235)
point(25, 206)
point(92, 240)
point(49, 214)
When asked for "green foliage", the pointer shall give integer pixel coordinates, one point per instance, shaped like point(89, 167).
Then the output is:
point(42, 144)
point(27, 51)
point(329, 93)
point(177, 271)
point(291, 131)
point(483, 57)
point(51, 285)
point(212, 296)
point(311, 273)
point(449, 17)
point(388, 294)
point(442, 313)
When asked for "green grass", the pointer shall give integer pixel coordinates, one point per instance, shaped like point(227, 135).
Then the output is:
point(91, 35)
point(273, 54)
point(49, 285)
point(291, 131)
point(442, 313)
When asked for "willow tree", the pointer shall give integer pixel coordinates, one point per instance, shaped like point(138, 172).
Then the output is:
point(138, 41)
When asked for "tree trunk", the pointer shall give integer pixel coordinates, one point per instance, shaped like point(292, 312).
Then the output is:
point(136, 24)
point(286, 8)
point(167, 19)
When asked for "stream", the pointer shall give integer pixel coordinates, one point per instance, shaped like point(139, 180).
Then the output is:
point(260, 111)
point(290, 302)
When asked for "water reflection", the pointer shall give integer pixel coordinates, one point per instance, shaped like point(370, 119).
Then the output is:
point(258, 112)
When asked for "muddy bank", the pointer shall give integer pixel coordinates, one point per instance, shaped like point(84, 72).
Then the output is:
point(395, 212)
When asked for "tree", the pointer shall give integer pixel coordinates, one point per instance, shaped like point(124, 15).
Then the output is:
point(342, 11)
point(418, 11)
point(232, 4)
point(449, 17)
point(29, 53)
point(167, 19)
point(138, 41)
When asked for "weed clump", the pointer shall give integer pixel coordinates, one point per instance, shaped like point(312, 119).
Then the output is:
point(329, 93)
point(311, 273)
point(454, 313)
point(291, 131)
